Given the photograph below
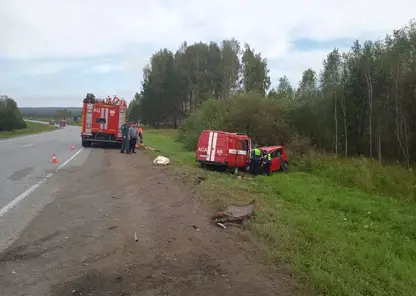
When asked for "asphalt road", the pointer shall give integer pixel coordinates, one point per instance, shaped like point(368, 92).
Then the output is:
point(26, 173)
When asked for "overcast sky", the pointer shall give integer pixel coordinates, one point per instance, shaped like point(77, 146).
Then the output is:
point(52, 52)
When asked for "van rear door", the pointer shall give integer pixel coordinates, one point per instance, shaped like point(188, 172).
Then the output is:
point(202, 146)
point(212, 147)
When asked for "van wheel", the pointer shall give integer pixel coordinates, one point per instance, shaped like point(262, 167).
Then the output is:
point(235, 170)
point(285, 167)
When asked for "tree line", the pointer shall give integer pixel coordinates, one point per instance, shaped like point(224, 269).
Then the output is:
point(51, 112)
point(361, 102)
point(10, 117)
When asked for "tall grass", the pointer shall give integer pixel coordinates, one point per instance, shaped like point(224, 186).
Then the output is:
point(340, 226)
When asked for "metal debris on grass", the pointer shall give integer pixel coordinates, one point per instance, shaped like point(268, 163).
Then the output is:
point(234, 214)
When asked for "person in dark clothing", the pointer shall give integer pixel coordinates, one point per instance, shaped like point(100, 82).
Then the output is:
point(125, 145)
point(255, 160)
point(133, 133)
point(267, 159)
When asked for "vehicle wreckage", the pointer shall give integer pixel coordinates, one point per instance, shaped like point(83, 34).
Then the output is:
point(234, 214)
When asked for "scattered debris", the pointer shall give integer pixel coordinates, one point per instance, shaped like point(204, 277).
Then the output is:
point(151, 148)
point(161, 160)
point(200, 179)
point(221, 225)
point(112, 227)
point(135, 237)
point(196, 227)
point(235, 214)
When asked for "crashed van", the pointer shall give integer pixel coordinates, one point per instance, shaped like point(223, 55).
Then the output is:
point(279, 162)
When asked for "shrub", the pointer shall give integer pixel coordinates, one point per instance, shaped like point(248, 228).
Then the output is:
point(10, 117)
point(265, 121)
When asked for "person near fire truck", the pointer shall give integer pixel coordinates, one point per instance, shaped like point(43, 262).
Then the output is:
point(267, 160)
point(139, 128)
point(125, 145)
point(133, 133)
point(255, 160)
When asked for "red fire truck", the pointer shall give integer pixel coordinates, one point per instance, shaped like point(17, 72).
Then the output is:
point(102, 119)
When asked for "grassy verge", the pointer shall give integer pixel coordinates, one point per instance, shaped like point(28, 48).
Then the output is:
point(32, 128)
point(342, 227)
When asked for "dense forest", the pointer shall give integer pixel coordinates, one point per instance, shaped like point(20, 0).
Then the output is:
point(10, 117)
point(361, 102)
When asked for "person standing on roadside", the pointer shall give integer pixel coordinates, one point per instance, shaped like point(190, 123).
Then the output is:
point(133, 133)
point(139, 128)
point(125, 145)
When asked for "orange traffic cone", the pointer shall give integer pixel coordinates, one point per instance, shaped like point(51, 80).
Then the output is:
point(54, 160)
point(72, 147)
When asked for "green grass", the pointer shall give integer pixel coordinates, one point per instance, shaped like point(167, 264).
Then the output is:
point(32, 128)
point(340, 226)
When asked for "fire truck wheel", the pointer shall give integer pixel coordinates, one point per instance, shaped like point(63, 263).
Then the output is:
point(86, 143)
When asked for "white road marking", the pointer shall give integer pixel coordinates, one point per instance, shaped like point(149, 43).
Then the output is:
point(22, 196)
point(25, 194)
point(53, 138)
point(71, 158)
point(28, 145)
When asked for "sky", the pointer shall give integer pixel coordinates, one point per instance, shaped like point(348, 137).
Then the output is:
point(52, 52)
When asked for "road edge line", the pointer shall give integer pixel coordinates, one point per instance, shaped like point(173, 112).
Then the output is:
point(25, 194)
point(22, 196)
point(69, 159)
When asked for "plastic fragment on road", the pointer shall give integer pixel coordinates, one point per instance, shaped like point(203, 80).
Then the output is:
point(161, 160)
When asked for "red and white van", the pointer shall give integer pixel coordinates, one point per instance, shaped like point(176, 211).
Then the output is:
point(223, 150)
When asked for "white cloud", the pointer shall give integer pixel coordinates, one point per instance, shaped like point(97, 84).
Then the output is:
point(44, 68)
point(295, 62)
point(79, 28)
point(105, 68)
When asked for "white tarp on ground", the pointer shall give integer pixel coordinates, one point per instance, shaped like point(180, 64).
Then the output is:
point(161, 160)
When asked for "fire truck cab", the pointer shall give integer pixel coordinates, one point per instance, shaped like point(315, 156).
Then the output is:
point(223, 150)
point(102, 120)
